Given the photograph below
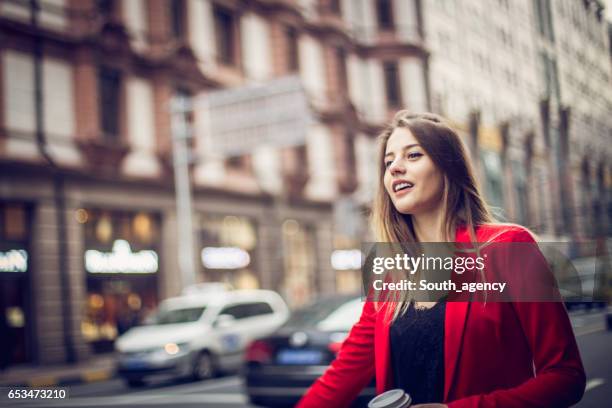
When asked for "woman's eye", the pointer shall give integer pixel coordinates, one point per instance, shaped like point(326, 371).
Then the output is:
point(388, 163)
point(414, 155)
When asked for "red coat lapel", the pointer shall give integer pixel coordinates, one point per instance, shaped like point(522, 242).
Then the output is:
point(454, 324)
point(382, 350)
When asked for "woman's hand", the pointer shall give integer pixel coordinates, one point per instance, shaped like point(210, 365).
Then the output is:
point(429, 406)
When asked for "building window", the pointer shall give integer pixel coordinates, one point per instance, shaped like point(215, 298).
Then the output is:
point(521, 195)
point(105, 7)
point(392, 85)
point(351, 158)
point(493, 179)
point(109, 90)
point(225, 24)
point(177, 18)
point(341, 67)
point(235, 162)
point(334, 7)
point(586, 196)
point(544, 18)
point(549, 71)
point(293, 59)
point(384, 13)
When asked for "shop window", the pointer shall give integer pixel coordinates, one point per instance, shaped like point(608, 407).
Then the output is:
point(142, 226)
point(228, 249)
point(299, 261)
point(14, 322)
point(15, 296)
point(124, 228)
point(118, 298)
point(104, 229)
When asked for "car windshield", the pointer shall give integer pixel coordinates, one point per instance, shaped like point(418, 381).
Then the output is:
point(173, 316)
point(323, 312)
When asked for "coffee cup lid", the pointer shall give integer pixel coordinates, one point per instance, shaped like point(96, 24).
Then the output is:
point(396, 398)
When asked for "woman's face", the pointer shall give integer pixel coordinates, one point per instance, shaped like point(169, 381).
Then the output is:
point(411, 179)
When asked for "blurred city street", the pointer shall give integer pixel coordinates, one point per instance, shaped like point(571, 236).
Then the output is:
point(179, 178)
point(228, 391)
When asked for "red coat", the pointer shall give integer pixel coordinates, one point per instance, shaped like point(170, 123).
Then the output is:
point(520, 354)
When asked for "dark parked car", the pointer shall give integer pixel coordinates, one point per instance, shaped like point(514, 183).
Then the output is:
point(279, 368)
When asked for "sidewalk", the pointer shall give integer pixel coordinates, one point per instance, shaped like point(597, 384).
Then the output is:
point(96, 368)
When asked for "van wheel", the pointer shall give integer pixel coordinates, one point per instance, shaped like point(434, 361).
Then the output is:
point(203, 366)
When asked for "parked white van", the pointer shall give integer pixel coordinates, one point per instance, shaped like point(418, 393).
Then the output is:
point(199, 334)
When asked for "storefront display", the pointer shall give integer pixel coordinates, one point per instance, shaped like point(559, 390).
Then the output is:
point(347, 266)
point(121, 262)
point(298, 285)
point(15, 274)
point(228, 244)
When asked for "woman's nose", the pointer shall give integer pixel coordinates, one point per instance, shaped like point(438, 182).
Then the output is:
point(397, 167)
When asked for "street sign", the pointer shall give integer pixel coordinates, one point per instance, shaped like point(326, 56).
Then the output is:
point(275, 113)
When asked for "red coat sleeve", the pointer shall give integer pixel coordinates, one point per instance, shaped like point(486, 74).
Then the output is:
point(559, 379)
point(351, 371)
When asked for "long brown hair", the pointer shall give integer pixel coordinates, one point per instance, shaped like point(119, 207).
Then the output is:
point(463, 202)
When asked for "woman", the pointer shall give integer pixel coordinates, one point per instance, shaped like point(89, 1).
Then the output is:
point(449, 354)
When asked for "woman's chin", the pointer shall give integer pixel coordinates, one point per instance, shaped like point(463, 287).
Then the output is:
point(406, 209)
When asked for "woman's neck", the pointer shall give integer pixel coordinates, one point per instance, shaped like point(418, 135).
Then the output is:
point(429, 227)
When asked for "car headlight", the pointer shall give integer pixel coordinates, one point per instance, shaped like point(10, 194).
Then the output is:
point(172, 348)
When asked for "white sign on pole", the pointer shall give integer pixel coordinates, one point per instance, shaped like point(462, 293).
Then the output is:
point(241, 119)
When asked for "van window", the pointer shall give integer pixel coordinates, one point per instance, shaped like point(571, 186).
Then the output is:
point(236, 311)
point(173, 316)
point(258, 309)
point(245, 310)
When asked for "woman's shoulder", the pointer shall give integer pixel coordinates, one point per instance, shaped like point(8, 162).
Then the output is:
point(504, 232)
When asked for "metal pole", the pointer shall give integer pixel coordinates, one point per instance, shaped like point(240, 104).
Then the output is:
point(180, 153)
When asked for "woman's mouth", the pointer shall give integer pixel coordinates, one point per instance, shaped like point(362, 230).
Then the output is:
point(402, 187)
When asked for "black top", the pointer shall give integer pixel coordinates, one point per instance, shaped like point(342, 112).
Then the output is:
point(417, 352)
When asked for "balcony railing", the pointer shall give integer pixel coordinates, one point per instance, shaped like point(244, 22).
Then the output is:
point(374, 35)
